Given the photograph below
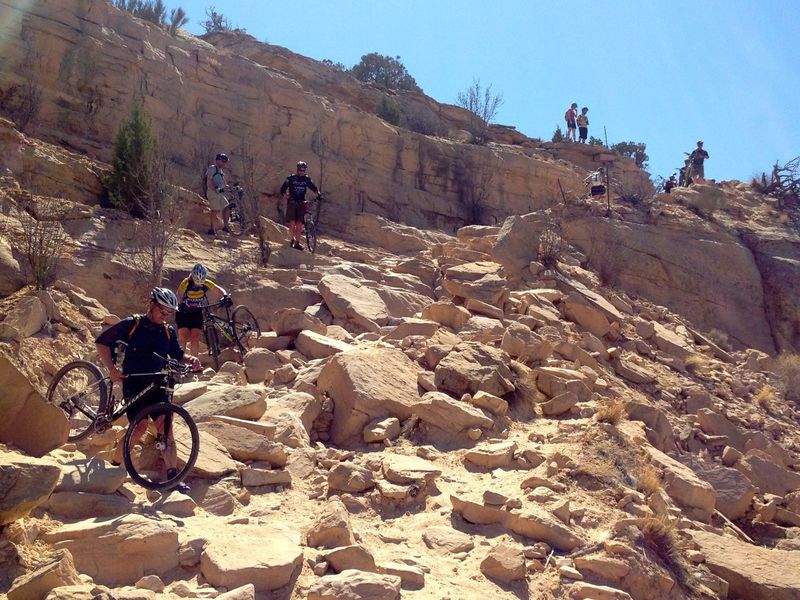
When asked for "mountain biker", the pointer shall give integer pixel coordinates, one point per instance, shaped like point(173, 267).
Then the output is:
point(215, 188)
point(295, 189)
point(146, 335)
point(697, 157)
point(193, 295)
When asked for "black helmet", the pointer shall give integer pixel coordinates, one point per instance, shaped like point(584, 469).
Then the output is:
point(223, 157)
point(164, 297)
point(302, 164)
point(699, 142)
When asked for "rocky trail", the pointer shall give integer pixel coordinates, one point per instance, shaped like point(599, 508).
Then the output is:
point(431, 423)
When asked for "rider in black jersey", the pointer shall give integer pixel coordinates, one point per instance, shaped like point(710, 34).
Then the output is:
point(295, 189)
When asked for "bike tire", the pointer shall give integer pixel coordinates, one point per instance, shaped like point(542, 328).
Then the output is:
point(311, 235)
point(234, 227)
point(80, 390)
point(142, 455)
point(245, 328)
point(212, 343)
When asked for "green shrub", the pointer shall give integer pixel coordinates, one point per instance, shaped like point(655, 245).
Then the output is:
point(385, 71)
point(388, 110)
point(558, 135)
point(134, 176)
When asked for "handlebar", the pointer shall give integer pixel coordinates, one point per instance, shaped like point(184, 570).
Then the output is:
point(225, 301)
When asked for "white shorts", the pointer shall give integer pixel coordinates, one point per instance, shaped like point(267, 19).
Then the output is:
point(216, 201)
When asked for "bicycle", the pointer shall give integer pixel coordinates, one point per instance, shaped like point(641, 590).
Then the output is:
point(87, 397)
point(310, 223)
point(233, 211)
point(239, 327)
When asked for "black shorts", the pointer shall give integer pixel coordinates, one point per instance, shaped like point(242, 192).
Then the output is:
point(584, 131)
point(598, 190)
point(295, 210)
point(133, 385)
point(191, 318)
point(572, 124)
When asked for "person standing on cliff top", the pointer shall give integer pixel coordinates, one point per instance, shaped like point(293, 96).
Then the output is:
point(569, 117)
point(696, 158)
point(583, 124)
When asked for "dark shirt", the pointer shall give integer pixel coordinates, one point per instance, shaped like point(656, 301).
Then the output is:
point(297, 185)
point(146, 339)
point(698, 156)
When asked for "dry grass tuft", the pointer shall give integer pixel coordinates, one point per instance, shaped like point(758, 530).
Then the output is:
point(648, 479)
point(765, 397)
point(787, 368)
point(721, 339)
point(658, 534)
point(697, 364)
point(612, 412)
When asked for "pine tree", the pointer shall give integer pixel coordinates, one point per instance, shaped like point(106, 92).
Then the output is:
point(132, 183)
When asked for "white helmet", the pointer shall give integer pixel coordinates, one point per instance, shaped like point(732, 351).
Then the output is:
point(165, 298)
point(199, 273)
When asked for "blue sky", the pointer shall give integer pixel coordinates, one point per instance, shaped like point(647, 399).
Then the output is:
point(662, 73)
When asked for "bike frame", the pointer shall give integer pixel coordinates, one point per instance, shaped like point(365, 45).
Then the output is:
point(223, 325)
point(103, 420)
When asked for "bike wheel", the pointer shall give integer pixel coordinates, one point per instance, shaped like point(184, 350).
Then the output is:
point(234, 218)
point(311, 235)
point(245, 328)
point(80, 390)
point(212, 343)
point(168, 440)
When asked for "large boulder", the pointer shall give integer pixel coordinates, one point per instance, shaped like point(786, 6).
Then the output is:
point(351, 584)
point(331, 528)
point(481, 280)
point(751, 571)
point(91, 475)
point(366, 384)
point(316, 345)
point(520, 341)
point(25, 483)
point(149, 546)
point(470, 367)
point(11, 276)
point(28, 422)
point(237, 555)
point(241, 402)
point(291, 321)
point(244, 444)
point(447, 314)
point(57, 572)
point(348, 298)
point(440, 410)
point(682, 485)
point(25, 319)
point(504, 562)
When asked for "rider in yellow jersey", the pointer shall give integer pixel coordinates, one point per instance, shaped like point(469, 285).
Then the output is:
point(193, 296)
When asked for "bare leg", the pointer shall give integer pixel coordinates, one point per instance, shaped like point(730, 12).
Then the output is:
point(194, 341)
point(183, 337)
point(141, 427)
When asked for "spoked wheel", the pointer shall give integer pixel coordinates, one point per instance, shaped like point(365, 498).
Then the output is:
point(234, 215)
point(212, 343)
point(161, 446)
point(80, 390)
point(311, 235)
point(245, 328)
